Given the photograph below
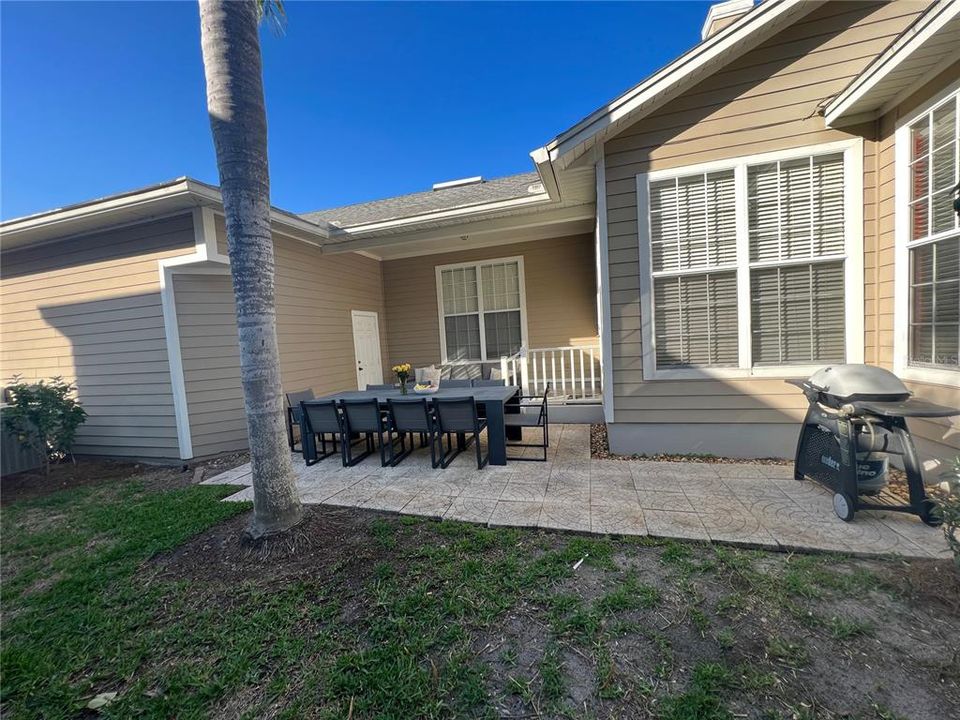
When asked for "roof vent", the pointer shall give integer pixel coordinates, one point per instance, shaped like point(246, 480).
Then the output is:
point(458, 183)
point(724, 14)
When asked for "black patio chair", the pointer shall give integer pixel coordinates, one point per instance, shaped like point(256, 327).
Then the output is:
point(293, 415)
point(409, 416)
point(319, 418)
point(384, 386)
point(365, 417)
point(489, 383)
point(534, 420)
point(459, 415)
point(454, 383)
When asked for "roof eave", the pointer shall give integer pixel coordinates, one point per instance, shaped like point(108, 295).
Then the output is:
point(697, 63)
point(862, 99)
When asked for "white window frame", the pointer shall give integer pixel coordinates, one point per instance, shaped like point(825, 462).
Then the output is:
point(438, 274)
point(852, 263)
point(903, 244)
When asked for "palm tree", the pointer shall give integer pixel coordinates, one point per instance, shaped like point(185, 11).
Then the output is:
point(231, 59)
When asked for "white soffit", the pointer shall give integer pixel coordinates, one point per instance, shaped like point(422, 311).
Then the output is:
point(926, 48)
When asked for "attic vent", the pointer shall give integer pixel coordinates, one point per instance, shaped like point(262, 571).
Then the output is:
point(458, 183)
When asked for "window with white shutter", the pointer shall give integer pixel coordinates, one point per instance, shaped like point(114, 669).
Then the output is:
point(745, 264)
point(933, 257)
point(482, 313)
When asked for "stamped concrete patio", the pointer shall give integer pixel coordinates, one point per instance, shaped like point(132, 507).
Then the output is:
point(744, 504)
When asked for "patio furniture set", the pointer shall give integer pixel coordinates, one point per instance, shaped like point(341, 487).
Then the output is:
point(385, 419)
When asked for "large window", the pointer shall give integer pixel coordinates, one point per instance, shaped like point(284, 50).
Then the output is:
point(481, 307)
point(933, 242)
point(745, 264)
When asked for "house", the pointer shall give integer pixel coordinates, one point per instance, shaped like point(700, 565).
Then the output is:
point(775, 200)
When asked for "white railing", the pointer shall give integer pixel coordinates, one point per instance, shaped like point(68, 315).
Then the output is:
point(573, 372)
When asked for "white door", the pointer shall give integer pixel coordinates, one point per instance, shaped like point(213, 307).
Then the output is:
point(366, 346)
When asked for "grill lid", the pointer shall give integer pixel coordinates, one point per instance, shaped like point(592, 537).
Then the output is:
point(852, 382)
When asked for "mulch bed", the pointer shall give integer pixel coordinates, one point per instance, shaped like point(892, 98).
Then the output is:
point(600, 449)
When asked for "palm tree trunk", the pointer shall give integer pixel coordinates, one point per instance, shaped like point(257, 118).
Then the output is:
point(231, 60)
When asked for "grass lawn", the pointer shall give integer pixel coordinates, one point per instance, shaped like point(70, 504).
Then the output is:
point(147, 592)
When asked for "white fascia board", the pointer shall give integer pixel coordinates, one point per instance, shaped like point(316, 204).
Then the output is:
point(706, 56)
point(148, 203)
point(913, 38)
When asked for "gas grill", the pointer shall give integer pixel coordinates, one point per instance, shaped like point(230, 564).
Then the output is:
point(857, 420)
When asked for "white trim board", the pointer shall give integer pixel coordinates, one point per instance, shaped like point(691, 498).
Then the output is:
point(604, 311)
point(205, 251)
point(852, 262)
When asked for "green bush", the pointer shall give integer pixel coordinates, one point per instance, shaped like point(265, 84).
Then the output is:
point(44, 416)
point(948, 507)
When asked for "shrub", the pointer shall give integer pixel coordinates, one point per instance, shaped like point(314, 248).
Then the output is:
point(44, 416)
point(948, 507)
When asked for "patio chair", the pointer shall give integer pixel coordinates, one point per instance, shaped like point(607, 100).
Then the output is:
point(319, 418)
point(534, 420)
point(385, 386)
point(455, 383)
point(293, 415)
point(459, 415)
point(409, 417)
point(489, 383)
point(366, 418)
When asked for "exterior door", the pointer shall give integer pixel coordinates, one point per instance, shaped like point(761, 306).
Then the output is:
point(366, 345)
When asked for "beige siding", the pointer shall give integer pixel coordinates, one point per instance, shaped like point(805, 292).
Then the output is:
point(560, 279)
point(942, 436)
point(88, 308)
point(315, 294)
point(765, 101)
point(206, 317)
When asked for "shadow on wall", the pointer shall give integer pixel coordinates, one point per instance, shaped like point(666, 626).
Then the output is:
point(115, 351)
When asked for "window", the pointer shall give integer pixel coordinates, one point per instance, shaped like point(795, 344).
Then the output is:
point(747, 264)
point(933, 238)
point(693, 242)
point(481, 308)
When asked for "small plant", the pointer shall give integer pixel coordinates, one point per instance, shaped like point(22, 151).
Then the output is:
point(45, 417)
point(948, 507)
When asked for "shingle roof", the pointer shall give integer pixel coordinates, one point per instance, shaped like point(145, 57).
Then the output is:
point(402, 206)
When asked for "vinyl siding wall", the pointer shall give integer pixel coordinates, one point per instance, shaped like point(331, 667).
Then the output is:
point(88, 308)
point(560, 280)
point(315, 294)
point(206, 320)
point(941, 436)
point(765, 101)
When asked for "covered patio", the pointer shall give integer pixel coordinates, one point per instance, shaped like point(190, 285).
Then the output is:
point(752, 505)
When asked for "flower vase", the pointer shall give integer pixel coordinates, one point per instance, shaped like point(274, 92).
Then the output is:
point(403, 384)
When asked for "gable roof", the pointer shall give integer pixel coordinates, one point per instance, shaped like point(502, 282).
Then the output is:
point(930, 45)
point(512, 187)
point(698, 63)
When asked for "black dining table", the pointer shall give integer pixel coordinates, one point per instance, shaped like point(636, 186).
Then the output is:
point(495, 400)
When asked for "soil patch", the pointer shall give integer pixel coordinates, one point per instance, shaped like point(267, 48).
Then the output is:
point(92, 471)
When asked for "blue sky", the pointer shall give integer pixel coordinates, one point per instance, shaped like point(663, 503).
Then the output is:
point(364, 100)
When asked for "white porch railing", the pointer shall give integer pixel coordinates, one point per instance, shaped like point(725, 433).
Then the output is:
point(573, 372)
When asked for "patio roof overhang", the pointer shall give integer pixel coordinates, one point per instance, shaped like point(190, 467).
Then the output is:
point(925, 49)
point(496, 226)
